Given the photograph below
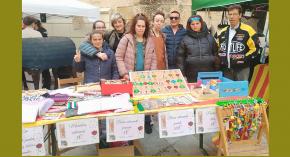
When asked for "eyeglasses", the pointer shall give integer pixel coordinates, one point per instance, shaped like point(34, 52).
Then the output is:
point(175, 18)
point(100, 27)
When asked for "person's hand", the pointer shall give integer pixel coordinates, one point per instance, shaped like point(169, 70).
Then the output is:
point(102, 56)
point(77, 56)
point(126, 76)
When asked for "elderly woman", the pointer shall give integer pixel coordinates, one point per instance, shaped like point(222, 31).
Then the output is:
point(113, 37)
point(136, 52)
point(198, 49)
point(101, 66)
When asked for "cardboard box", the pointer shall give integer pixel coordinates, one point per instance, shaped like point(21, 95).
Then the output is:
point(117, 151)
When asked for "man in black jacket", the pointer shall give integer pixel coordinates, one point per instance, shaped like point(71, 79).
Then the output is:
point(237, 46)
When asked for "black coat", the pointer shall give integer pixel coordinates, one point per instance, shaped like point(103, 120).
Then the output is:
point(196, 53)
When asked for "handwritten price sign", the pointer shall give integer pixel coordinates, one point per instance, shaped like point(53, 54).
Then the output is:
point(32, 141)
point(176, 123)
point(124, 128)
point(77, 132)
point(206, 120)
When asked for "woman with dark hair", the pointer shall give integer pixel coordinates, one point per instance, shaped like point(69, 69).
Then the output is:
point(159, 40)
point(136, 52)
point(198, 50)
point(113, 37)
point(102, 66)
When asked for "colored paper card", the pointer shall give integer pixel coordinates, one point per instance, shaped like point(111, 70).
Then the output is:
point(176, 123)
point(206, 120)
point(124, 128)
point(77, 132)
point(32, 142)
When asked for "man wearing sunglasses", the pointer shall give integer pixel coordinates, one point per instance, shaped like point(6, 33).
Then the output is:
point(174, 34)
point(238, 46)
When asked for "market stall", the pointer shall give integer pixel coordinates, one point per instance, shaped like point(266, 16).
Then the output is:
point(77, 112)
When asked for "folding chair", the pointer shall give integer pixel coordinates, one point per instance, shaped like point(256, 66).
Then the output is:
point(69, 81)
point(259, 85)
point(249, 147)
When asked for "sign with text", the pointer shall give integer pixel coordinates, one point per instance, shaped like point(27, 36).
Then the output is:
point(206, 120)
point(124, 128)
point(176, 123)
point(32, 142)
point(77, 132)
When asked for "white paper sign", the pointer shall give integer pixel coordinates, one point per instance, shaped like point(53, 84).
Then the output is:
point(176, 123)
point(206, 120)
point(77, 132)
point(32, 142)
point(124, 128)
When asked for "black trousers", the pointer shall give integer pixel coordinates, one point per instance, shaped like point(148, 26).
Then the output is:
point(46, 79)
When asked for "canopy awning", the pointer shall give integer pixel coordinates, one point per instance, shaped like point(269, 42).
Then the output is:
point(201, 4)
point(61, 7)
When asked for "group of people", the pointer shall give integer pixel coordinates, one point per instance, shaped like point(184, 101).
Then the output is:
point(113, 54)
point(141, 46)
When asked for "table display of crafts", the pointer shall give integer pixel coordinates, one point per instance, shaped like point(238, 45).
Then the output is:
point(158, 82)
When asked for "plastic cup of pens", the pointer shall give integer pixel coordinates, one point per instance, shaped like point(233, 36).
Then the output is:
point(72, 109)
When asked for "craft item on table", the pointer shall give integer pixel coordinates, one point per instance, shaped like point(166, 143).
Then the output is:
point(155, 103)
point(105, 103)
point(213, 84)
point(150, 104)
point(243, 122)
point(42, 103)
point(38, 92)
point(137, 106)
point(178, 100)
point(56, 109)
point(70, 91)
point(158, 83)
point(202, 92)
point(109, 87)
point(59, 98)
point(197, 84)
point(52, 116)
point(72, 109)
point(88, 88)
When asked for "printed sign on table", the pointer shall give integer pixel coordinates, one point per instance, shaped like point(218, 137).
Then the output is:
point(32, 142)
point(124, 128)
point(176, 123)
point(206, 120)
point(77, 132)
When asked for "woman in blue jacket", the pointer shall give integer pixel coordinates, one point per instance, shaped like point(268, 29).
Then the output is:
point(101, 66)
